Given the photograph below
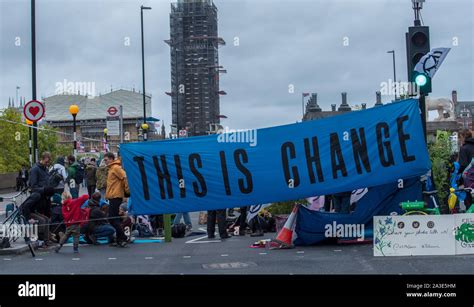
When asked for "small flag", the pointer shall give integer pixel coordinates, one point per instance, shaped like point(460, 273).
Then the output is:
point(431, 61)
point(254, 210)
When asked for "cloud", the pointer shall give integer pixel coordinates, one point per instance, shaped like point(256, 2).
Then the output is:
point(281, 44)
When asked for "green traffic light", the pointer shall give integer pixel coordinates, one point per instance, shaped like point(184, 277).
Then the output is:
point(421, 80)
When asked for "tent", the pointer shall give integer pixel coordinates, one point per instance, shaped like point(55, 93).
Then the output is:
point(379, 200)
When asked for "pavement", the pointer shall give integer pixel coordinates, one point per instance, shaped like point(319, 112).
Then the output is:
point(200, 255)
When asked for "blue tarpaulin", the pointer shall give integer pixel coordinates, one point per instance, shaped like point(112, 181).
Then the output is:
point(343, 153)
point(379, 200)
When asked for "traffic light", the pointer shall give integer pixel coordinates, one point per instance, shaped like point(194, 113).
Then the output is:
point(423, 82)
point(418, 44)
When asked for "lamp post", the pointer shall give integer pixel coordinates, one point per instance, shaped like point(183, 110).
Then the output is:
point(143, 68)
point(30, 147)
point(105, 138)
point(74, 110)
point(394, 72)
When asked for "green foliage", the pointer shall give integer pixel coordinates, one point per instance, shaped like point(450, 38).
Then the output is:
point(14, 151)
point(440, 153)
point(284, 207)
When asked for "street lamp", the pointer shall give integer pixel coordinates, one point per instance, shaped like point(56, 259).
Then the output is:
point(105, 138)
point(143, 67)
point(394, 72)
point(74, 110)
point(145, 129)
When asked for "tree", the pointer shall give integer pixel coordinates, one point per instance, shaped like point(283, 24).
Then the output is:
point(14, 152)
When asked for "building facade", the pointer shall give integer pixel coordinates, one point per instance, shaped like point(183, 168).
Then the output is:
point(194, 46)
point(92, 116)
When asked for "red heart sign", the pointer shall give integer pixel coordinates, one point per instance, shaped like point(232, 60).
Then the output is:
point(34, 110)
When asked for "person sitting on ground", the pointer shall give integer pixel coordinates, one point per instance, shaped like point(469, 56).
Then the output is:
point(98, 226)
point(35, 209)
point(73, 217)
point(125, 220)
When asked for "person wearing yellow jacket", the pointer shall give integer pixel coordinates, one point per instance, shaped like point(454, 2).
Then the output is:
point(117, 189)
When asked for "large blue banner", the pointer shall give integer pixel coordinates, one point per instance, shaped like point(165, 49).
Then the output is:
point(343, 153)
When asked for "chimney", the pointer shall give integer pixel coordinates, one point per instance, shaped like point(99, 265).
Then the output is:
point(378, 99)
point(454, 97)
point(344, 106)
point(314, 99)
point(333, 107)
point(364, 106)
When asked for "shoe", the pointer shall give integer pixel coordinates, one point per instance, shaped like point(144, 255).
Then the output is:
point(226, 236)
point(93, 239)
point(58, 248)
point(76, 251)
point(122, 244)
point(211, 237)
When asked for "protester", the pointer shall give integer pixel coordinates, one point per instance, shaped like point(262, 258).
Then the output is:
point(22, 180)
point(467, 150)
point(74, 176)
point(37, 207)
point(58, 168)
point(342, 202)
point(221, 223)
point(98, 226)
point(39, 175)
point(73, 217)
point(242, 221)
point(187, 220)
point(125, 221)
point(117, 187)
point(101, 178)
point(90, 171)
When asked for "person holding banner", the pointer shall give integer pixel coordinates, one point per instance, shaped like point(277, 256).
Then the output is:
point(117, 186)
point(211, 224)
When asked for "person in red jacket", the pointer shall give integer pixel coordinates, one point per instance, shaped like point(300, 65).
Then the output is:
point(73, 217)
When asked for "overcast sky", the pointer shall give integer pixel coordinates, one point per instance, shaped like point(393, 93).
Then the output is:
point(281, 44)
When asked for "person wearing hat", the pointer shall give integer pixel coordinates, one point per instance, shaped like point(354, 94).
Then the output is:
point(37, 209)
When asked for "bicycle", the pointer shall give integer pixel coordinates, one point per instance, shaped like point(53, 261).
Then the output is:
point(420, 207)
point(15, 221)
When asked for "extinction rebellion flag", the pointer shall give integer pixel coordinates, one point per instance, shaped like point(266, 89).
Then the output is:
point(343, 153)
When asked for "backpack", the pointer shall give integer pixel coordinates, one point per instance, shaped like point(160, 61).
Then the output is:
point(55, 178)
point(143, 230)
point(178, 230)
point(79, 177)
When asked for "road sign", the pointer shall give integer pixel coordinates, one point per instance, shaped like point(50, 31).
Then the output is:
point(183, 133)
point(33, 110)
point(113, 125)
point(112, 110)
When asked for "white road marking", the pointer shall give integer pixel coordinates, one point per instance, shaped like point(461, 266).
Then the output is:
point(112, 258)
point(262, 253)
point(148, 258)
point(197, 240)
point(7, 259)
point(300, 252)
point(76, 259)
point(38, 259)
point(186, 257)
point(338, 250)
point(224, 255)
